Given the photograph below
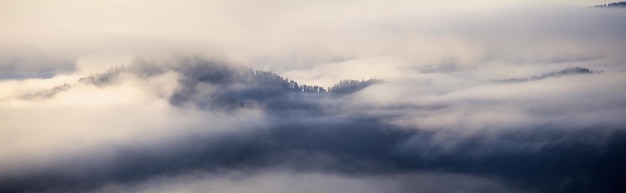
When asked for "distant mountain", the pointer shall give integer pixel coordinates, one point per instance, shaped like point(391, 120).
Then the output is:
point(211, 84)
point(564, 72)
point(221, 74)
point(613, 5)
point(350, 86)
point(241, 86)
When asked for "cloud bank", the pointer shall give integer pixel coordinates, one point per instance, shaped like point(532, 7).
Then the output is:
point(245, 96)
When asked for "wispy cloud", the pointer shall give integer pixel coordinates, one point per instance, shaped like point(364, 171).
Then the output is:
point(212, 96)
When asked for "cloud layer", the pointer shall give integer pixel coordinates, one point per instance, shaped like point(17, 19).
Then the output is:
point(232, 97)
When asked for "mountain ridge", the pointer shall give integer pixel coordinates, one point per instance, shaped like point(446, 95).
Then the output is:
point(236, 86)
point(564, 72)
point(612, 5)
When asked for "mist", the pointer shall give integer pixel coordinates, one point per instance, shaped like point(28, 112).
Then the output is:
point(303, 96)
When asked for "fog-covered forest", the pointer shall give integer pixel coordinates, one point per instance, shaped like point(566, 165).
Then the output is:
point(245, 96)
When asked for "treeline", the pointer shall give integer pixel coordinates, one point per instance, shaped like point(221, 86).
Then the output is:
point(613, 5)
point(349, 86)
point(564, 72)
point(222, 74)
point(344, 86)
point(271, 79)
point(104, 77)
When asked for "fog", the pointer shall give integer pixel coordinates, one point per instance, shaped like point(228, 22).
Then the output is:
point(246, 96)
point(281, 181)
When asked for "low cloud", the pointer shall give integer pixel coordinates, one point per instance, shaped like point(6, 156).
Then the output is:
point(281, 181)
point(242, 101)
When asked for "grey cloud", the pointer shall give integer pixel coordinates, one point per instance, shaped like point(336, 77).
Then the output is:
point(190, 123)
point(306, 134)
point(281, 181)
point(24, 63)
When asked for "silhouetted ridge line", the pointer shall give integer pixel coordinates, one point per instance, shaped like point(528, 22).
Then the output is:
point(564, 72)
point(223, 74)
point(613, 5)
point(350, 86)
point(211, 84)
point(235, 87)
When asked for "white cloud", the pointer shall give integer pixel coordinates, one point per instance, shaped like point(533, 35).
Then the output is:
point(435, 58)
point(573, 102)
point(86, 119)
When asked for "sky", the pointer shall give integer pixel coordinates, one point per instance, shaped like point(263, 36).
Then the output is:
point(195, 96)
point(95, 34)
